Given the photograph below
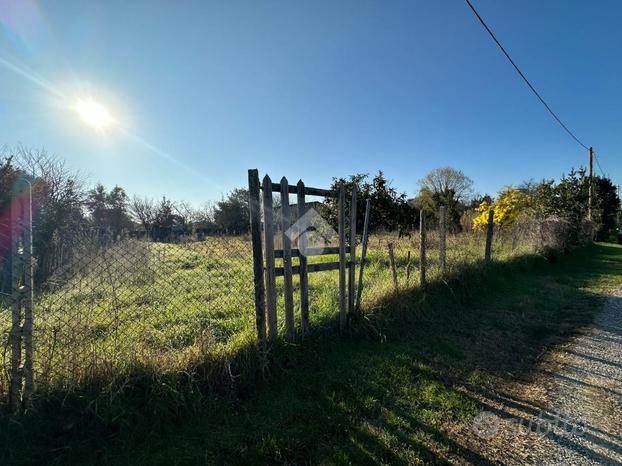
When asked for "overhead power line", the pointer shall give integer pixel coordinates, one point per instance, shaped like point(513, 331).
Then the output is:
point(523, 76)
point(599, 167)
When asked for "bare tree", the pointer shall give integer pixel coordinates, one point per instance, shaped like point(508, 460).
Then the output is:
point(205, 213)
point(185, 210)
point(143, 211)
point(448, 179)
point(58, 196)
point(50, 174)
point(448, 187)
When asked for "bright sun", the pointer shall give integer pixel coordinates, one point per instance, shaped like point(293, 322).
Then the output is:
point(93, 113)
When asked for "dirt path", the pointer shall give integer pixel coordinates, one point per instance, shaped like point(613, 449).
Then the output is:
point(570, 413)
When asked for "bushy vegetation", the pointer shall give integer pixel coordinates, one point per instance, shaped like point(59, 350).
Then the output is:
point(391, 210)
point(565, 202)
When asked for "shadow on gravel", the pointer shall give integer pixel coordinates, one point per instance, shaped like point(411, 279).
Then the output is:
point(579, 419)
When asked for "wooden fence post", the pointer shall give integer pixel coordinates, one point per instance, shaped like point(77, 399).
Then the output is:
point(489, 231)
point(268, 229)
point(304, 278)
point(255, 225)
point(363, 256)
point(422, 251)
point(442, 237)
point(288, 287)
point(15, 335)
point(393, 269)
point(27, 292)
point(342, 257)
point(22, 380)
point(352, 270)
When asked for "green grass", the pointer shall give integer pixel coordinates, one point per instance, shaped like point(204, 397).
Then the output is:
point(385, 394)
point(168, 308)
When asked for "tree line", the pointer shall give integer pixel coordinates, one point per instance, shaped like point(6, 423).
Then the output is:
point(65, 207)
point(565, 200)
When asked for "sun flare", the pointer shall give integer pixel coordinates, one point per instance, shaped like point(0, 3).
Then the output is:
point(93, 114)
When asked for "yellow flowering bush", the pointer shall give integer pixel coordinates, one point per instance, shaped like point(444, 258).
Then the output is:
point(507, 207)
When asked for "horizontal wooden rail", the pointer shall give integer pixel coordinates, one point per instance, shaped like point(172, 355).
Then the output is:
point(322, 267)
point(278, 253)
point(293, 189)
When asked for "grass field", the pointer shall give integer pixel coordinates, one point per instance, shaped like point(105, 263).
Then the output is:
point(384, 395)
point(160, 307)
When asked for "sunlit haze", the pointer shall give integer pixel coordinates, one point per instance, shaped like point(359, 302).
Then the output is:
point(93, 114)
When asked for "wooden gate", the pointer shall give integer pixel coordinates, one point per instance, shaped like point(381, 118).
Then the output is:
point(263, 242)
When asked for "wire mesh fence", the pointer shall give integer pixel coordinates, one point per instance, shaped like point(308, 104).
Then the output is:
point(127, 303)
point(114, 304)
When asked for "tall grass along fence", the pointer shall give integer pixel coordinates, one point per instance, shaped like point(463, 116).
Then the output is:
point(112, 307)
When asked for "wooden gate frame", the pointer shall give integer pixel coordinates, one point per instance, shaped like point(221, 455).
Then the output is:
point(265, 284)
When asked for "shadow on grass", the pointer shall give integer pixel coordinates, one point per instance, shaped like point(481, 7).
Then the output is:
point(384, 394)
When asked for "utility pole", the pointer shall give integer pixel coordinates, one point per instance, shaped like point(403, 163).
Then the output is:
point(619, 208)
point(590, 188)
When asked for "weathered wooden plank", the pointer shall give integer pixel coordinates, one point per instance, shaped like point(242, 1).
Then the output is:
point(304, 279)
point(489, 232)
point(442, 243)
point(268, 230)
point(255, 225)
point(311, 268)
point(288, 288)
point(291, 189)
point(422, 250)
point(352, 271)
point(278, 253)
point(393, 269)
point(342, 256)
point(363, 256)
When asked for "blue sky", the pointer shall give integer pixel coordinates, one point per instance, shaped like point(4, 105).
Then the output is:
point(202, 91)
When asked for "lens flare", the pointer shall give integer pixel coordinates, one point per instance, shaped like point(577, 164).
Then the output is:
point(93, 114)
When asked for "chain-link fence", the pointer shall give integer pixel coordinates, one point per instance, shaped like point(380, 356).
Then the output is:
point(114, 304)
point(117, 305)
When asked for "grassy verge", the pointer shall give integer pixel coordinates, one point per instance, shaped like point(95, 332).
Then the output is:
point(384, 395)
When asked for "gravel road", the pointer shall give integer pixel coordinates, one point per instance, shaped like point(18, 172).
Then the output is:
point(569, 413)
point(589, 394)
